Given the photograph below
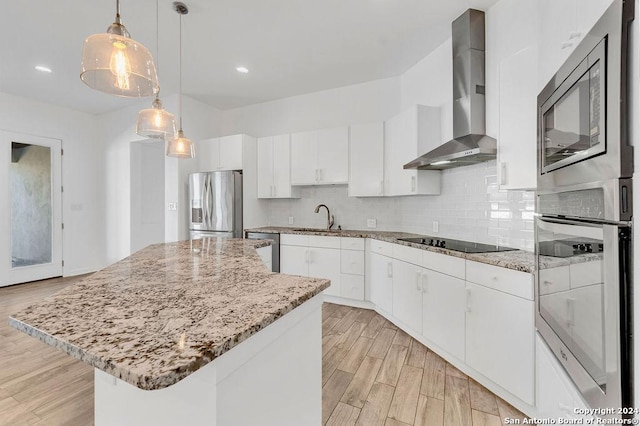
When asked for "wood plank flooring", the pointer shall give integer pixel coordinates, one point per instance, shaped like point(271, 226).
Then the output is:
point(375, 374)
point(39, 385)
point(372, 374)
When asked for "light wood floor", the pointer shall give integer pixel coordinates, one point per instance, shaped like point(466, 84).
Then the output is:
point(39, 385)
point(372, 374)
point(375, 374)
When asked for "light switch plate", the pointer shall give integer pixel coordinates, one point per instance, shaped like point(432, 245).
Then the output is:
point(290, 220)
point(173, 206)
point(372, 223)
point(436, 226)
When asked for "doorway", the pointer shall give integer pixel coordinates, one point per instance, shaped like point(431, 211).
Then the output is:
point(31, 220)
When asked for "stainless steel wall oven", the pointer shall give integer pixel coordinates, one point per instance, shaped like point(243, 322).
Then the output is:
point(584, 212)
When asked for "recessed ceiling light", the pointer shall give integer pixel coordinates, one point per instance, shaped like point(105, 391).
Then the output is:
point(243, 70)
point(42, 68)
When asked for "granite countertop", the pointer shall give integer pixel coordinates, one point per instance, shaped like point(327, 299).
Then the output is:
point(518, 260)
point(164, 312)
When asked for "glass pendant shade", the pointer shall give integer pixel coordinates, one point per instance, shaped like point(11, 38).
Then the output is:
point(181, 147)
point(156, 123)
point(114, 63)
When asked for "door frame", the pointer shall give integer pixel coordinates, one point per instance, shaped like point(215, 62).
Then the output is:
point(8, 274)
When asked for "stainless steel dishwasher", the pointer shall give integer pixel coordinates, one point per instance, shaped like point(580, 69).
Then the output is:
point(275, 246)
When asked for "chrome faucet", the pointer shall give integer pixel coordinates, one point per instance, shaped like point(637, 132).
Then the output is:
point(329, 215)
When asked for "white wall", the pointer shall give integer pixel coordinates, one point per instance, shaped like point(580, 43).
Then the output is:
point(118, 130)
point(82, 174)
point(359, 103)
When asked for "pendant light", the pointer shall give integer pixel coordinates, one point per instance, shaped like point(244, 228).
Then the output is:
point(114, 63)
point(180, 147)
point(155, 122)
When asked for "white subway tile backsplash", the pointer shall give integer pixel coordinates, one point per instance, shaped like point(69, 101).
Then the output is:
point(470, 207)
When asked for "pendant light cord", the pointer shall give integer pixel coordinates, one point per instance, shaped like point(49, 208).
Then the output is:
point(157, 43)
point(180, 106)
point(118, 11)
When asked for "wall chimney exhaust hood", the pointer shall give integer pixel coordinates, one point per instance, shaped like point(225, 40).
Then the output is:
point(470, 144)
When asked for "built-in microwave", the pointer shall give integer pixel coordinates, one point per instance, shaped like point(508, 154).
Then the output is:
point(582, 130)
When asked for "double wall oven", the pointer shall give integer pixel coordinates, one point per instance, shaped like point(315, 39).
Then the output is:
point(584, 212)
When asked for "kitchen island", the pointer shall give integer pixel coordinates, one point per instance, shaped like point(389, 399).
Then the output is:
point(192, 333)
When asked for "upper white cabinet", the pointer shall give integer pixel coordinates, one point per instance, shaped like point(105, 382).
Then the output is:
point(221, 153)
point(366, 160)
point(409, 134)
point(562, 25)
point(320, 157)
point(517, 135)
point(274, 179)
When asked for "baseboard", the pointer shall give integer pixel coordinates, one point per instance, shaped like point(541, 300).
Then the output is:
point(82, 271)
point(349, 302)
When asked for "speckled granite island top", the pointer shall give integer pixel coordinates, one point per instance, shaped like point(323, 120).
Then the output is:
point(164, 312)
point(518, 260)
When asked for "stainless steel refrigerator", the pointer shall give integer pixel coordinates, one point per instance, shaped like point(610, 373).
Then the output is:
point(215, 200)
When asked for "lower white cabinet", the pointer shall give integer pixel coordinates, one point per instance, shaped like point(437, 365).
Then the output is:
point(443, 311)
point(318, 262)
point(407, 294)
point(380, 277)
point(340, 260)
point(500, 339)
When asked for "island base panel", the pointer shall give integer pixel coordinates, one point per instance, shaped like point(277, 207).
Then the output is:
point(272, 378)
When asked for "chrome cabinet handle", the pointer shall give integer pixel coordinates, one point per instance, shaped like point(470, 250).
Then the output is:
point(306, 256)
point(418, 281)
point(468, 301)
point(413, 184)
point(389, 269)
point(425, 289)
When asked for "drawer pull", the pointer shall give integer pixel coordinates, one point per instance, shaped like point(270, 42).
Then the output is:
point(468, 301)
point(545, 282)
point(425, 290)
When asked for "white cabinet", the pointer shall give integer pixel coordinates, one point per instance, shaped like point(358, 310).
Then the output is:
point(274, 168)
point(325, 263)
point(562, 25)
point(517, 136)
point(320, 157)
point(380, 281)
point(443, 311)
point(294, 260)
point(409, 134)
point(556, 395)
point(221, 153)
point(407, 294)
point(352, 268)
point(500, 339)
point(366, 160)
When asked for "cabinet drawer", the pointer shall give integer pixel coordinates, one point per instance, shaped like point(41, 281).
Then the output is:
point(349, 243)
point(352, 286)
point(380, 247)
point(502, 279)
point(294, 240)
point(352, 262)
point(553, 280)
point(443, 263)
point(408, 254)
point(324, 242)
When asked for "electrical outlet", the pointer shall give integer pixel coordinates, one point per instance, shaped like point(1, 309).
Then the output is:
point(372, 223)
point(173, 206)
point(436, 226)
point(290, 220)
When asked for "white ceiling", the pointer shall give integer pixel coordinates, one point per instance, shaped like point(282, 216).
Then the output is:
point(291, 47)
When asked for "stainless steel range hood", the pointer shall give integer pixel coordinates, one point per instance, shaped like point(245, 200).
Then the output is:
point(470, 144)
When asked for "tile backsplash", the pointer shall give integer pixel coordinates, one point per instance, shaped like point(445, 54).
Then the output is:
point(470, 207)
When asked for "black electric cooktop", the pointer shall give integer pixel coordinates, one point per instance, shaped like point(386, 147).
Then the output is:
point(457, 245)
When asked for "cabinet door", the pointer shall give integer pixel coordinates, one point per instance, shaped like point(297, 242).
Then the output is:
point(304, 158)
point(231, 152)
point(517, 138)
point(400, 147)
point(407, 294)
point(380, 276)
point(352, 286)
point(333, 155)
point(443, 316)
point(325, 263)
point(208, 155)
point(500, 339)
point(366, 160)
point(294, 260)
point(282, 166)
point(265, 165)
